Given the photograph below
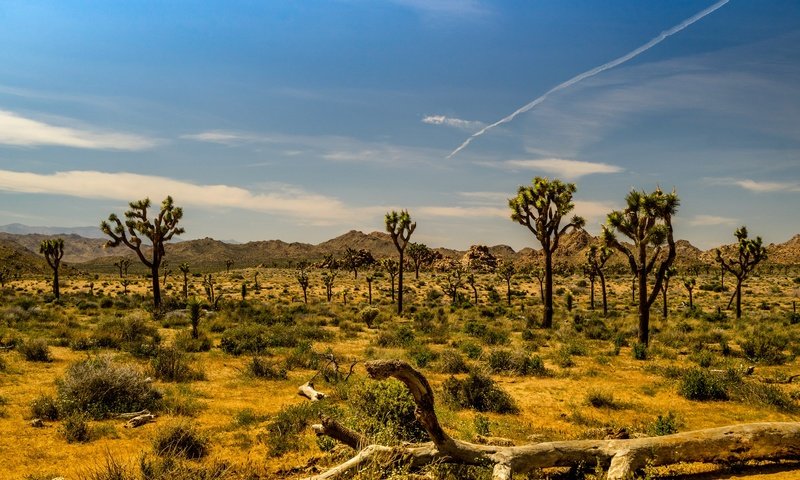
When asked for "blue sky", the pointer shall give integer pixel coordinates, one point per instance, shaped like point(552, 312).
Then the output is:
point(303, 120)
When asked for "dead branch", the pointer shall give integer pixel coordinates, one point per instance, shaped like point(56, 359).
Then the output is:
point(140, 420)
point(622, 457)
point(307, 390)
point(130, 415)
point(331, 428)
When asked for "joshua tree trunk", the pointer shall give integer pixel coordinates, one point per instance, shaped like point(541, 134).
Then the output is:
point(156, 285)
point(591, 293)
point(644, 306)
point(738, 300)
point(547, 319)
point(56, 288)
point(400, 285)
point(603, 288)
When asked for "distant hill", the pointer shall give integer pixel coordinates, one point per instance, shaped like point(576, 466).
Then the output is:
point(19, 259)
point(20, 229)
point(209, 254)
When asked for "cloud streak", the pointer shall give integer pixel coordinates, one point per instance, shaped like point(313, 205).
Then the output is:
point(284, 200)
point(453, 122)
point(568, 169)
point(757, 186)
point(20, 131)
point(711, 220)
point(594, 71)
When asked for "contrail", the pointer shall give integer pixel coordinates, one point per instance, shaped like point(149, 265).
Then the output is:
point(596, 70)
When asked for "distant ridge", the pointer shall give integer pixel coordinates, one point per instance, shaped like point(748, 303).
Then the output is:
point(20, 229)
point(208, 253)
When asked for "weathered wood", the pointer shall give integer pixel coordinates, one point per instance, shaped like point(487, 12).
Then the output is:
point(307, 390)
point(622, 457)
point(130, 415)
point(331, 428)
point(140, 420)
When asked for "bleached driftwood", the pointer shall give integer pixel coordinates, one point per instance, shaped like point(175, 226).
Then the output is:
point(130, 415)
point(140, 420)
point(755, 441)
point(307, 390)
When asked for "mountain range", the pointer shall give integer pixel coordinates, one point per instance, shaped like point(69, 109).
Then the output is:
point(89, 254)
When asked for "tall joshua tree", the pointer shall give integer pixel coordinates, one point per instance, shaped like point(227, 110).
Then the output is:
point(689, 284)
point(184, 268)
point(391, 266)
point(400, 227)
point(664, 288)
point(506, 272)
point(158, 231)
point(647, 221)
point(541, 207)
point(751, 253)
point(596, 259)
point(302, 279)
point(53, 251)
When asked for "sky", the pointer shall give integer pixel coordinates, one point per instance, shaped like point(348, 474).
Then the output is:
point(303, 120)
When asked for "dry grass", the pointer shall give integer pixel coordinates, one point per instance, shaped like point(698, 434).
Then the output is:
point(551, 407)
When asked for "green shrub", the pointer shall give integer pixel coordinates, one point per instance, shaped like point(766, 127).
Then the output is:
point(184, 341)
point(283, 430)
point(45, 407)
point(482, 425)
point(260, 367)
point(401, 336)
point(35, 350)
point(701, 385)
point(471, 350)
point(303, 356)
point(99, 386)
point(765, 346)
point(639, 351)
point(245, 339)
point(172, 365)
point(132, 334)
point(182, 440)
point(663, 425)
point(76, 428)
point(368, 316)
point(600, 399)
point(384, 410)
point(478, 391)
point(420, 354)
point(450, 361)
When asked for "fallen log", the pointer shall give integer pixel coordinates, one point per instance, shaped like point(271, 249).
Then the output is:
point(622, 457)
point(130, 415)
point(140, 420)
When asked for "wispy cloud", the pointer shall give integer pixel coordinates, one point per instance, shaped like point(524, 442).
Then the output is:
point(20, 131)
point(449, 8)
point(757, 186)
point(461, 211)
point(453, 122)
point(332, 148)
point(284, 200)
point(568, 169)
point(711, 220)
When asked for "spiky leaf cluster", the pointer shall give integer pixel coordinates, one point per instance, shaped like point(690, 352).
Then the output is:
point(541, 207)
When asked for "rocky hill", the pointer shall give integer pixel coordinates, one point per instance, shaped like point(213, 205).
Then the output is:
point(209, 254)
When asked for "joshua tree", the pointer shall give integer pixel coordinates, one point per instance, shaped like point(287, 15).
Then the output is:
point(184, 268)
point(596, 258)
point(53, 251)
point(538, 274)
point(327, 279)
point(369, 278)
point(506, 272)
point(166, 272)
point(540, 208)
point(194, 317)
point(391, 266)
point(213, 296)
point(471, 283)
point(400, 227)
point(647, 220)
point(689, 284)
point(751, 253)
point(228, 264)
point(122, 265)
point(356, 259)
point(256, 285)
point(302, 279)
point(591, 274)
point(159, 230)
point(420, 255)
point(454, 281)
point(664, 287)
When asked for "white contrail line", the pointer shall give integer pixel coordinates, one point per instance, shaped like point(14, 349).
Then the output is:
point(596, 70)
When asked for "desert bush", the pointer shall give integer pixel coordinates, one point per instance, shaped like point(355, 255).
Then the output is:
point(35, 350)
point(401, 336)
point(44, 407)
point(260, 367)
point(664, 425)
point(600, 399)
point(479, 392)
point(421, 354)
point(765, 346)
point(184, 341)
point(181, 439)
point(99, 386)
point(245, 339)
point(639, 351)
point(284, 429)
point(76, 428)
point(172, 365)
point(303, 356)
point(132, 334)
point(471, 349)
point(699, 384)
point(368, 315)
point(450, 361)
point(384, 410)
